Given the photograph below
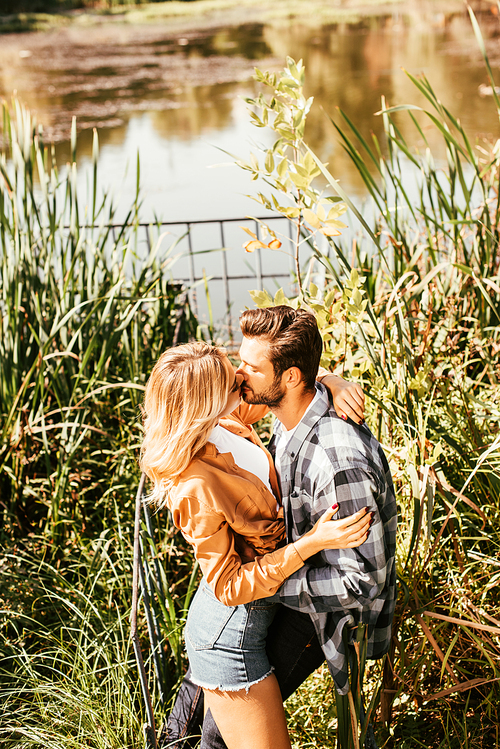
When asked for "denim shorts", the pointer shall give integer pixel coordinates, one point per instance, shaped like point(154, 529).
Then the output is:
point(226, 645)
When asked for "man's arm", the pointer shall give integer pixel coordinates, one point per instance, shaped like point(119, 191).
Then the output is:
point(348, 578)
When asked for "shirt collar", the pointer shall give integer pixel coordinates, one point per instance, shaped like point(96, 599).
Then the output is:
point(315, 411)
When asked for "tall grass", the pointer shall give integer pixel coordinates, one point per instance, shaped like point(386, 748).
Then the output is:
point(66, 655)
point(427, 350)
point(86, 310)
point(411, 308)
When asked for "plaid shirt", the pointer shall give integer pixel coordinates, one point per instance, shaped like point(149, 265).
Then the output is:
point(328, 460)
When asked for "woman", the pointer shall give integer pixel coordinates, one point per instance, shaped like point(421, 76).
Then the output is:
point(209, 467)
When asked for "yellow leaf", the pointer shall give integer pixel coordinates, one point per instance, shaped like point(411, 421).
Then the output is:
point(253, 245)
point(275, 244)
point(248, 231)
point(261, 298)
point(311, 218)
point(337, 211)
point(330, 231)
point(282, 168)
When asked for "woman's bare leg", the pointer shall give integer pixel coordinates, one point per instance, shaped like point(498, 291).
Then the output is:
point(253, 719)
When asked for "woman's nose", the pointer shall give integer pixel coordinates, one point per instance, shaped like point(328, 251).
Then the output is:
point(240, 379)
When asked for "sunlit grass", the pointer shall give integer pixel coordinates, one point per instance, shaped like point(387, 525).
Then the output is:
point(66, 660)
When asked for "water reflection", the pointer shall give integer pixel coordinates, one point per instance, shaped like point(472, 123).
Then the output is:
point(351, 70)
point(189, 83)
point(186, 85)
point(101, 75)
point(175, 99)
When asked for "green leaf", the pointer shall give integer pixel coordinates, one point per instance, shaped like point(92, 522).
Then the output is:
point(285, 132)
point(256, 120)
point(261, 298)
point(298, 118)
point(282, 168)
point(269, 162)
point(280, 298)
point(254, 162)
point(300, 182)
point(289, 83)
point(292, 67)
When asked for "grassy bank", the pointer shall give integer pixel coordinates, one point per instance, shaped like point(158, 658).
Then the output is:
point(39, 15)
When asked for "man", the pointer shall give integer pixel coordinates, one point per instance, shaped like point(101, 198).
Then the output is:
point(321, 459)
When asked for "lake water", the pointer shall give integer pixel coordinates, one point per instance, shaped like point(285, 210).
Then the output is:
point(175, 97)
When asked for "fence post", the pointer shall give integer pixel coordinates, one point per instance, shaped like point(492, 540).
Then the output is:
point(149, 727)
point(191, 270)
point(258, 259)
point(225, 280)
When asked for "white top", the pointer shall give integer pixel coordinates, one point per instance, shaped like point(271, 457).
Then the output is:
point(287, 434)
point(245, 454)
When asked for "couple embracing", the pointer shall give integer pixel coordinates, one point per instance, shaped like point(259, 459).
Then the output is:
point(296, 545)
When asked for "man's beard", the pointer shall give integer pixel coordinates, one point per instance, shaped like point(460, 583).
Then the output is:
point(271, 396)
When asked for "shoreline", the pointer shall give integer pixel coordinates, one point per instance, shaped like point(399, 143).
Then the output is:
point(184, 16)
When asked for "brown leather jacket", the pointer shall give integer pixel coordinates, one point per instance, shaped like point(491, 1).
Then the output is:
point(215, 502)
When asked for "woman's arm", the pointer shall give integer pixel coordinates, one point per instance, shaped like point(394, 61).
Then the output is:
point(348, 397)
point(233, 582)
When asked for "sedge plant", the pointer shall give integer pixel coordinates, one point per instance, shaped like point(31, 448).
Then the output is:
point(411, 310)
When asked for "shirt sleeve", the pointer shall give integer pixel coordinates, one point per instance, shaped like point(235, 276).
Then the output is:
point(213, 540)
point(344, 578)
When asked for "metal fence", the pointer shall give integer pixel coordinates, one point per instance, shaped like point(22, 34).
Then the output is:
point(208, 257)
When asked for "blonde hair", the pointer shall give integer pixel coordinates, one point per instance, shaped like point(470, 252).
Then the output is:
point(185, 395)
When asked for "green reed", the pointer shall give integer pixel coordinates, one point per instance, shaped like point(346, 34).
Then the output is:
point(86, 310)
point(87, 306)
point(427, 351)
point(66, 656)
point(411, 308)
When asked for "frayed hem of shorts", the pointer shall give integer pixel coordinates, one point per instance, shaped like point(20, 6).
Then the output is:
point(219, 688)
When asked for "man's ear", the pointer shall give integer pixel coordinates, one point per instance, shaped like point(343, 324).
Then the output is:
point(292, 378)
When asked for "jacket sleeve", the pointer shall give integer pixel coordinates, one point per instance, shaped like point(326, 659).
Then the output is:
point(212, 538)
point(347, 578)
point(250, 414)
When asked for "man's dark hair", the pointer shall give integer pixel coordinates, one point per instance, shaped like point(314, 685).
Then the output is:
point(293, 337)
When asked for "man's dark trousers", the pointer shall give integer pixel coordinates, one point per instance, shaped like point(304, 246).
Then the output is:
point(294, 651)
